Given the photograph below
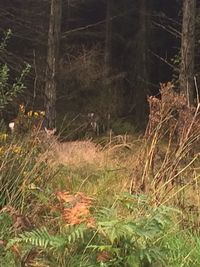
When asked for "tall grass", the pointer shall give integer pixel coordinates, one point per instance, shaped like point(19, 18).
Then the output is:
point(23, 167)
point(169, 154)
point(138, 206)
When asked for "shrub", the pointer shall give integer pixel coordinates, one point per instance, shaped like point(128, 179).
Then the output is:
point(9, 91)
point(113, 239)
point(169, 153)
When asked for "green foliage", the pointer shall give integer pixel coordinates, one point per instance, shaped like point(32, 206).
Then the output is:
point(41, 238)
point(7, 36)
point(9, 92)
point(126, 231)
point(6, 233)
point(6, 224)
point(21, 169)
point(57, 248)
point(135, 240)
point(183, 248)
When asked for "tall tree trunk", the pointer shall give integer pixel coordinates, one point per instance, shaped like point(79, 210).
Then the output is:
point(186, 77)
point(141, 63)
point(107, 63)
point(108, 41)
point(68, 14)
point(52, 62)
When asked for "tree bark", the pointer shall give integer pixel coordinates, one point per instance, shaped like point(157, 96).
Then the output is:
point(141, 63)
point(52, 62)
point(108, 41)
point(186, 77)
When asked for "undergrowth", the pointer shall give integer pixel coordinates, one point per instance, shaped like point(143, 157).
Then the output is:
point(138, 208)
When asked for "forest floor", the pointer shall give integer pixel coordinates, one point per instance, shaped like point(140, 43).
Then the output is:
point(120, 201)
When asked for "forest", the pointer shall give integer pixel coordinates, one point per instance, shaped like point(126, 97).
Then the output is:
point(99, 133)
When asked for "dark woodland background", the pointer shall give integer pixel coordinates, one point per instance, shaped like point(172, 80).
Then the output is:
point(113, 54)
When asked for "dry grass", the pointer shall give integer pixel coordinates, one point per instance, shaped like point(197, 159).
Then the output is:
point(163, 164)
point(76, 153)
point(119, 151)
point(166, 169)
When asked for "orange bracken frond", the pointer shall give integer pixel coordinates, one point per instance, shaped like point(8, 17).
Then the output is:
point(79, 211)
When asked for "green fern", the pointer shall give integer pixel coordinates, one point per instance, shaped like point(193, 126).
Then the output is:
point(41, 238)
point(134, 239)
point(137, 235)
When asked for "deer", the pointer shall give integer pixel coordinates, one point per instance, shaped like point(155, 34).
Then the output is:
point(38, 127)
point(71, 152)
point(98, 124)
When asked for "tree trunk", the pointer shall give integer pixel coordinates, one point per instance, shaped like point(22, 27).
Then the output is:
point(141, 65)
point(107, 65)
point(186, 77)
point(108, 41)
point(52, 62)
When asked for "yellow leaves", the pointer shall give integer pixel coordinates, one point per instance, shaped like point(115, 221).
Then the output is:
point(36, 114)
point(32, 186)
point(11, 149)
point(3, 136)
point(30, 113)
point(22, 109)
point(16, 149)
point(3, 149)
point(42, 113)
point(27, 120)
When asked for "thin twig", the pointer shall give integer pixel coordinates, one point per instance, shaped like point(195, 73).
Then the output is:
point(197, 89)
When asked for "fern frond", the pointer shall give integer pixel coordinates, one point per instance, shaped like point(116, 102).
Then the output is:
point(76, 233)
point(41, 238)
point(38, 238)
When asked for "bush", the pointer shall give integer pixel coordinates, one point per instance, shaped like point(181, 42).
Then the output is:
point(103, 237)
